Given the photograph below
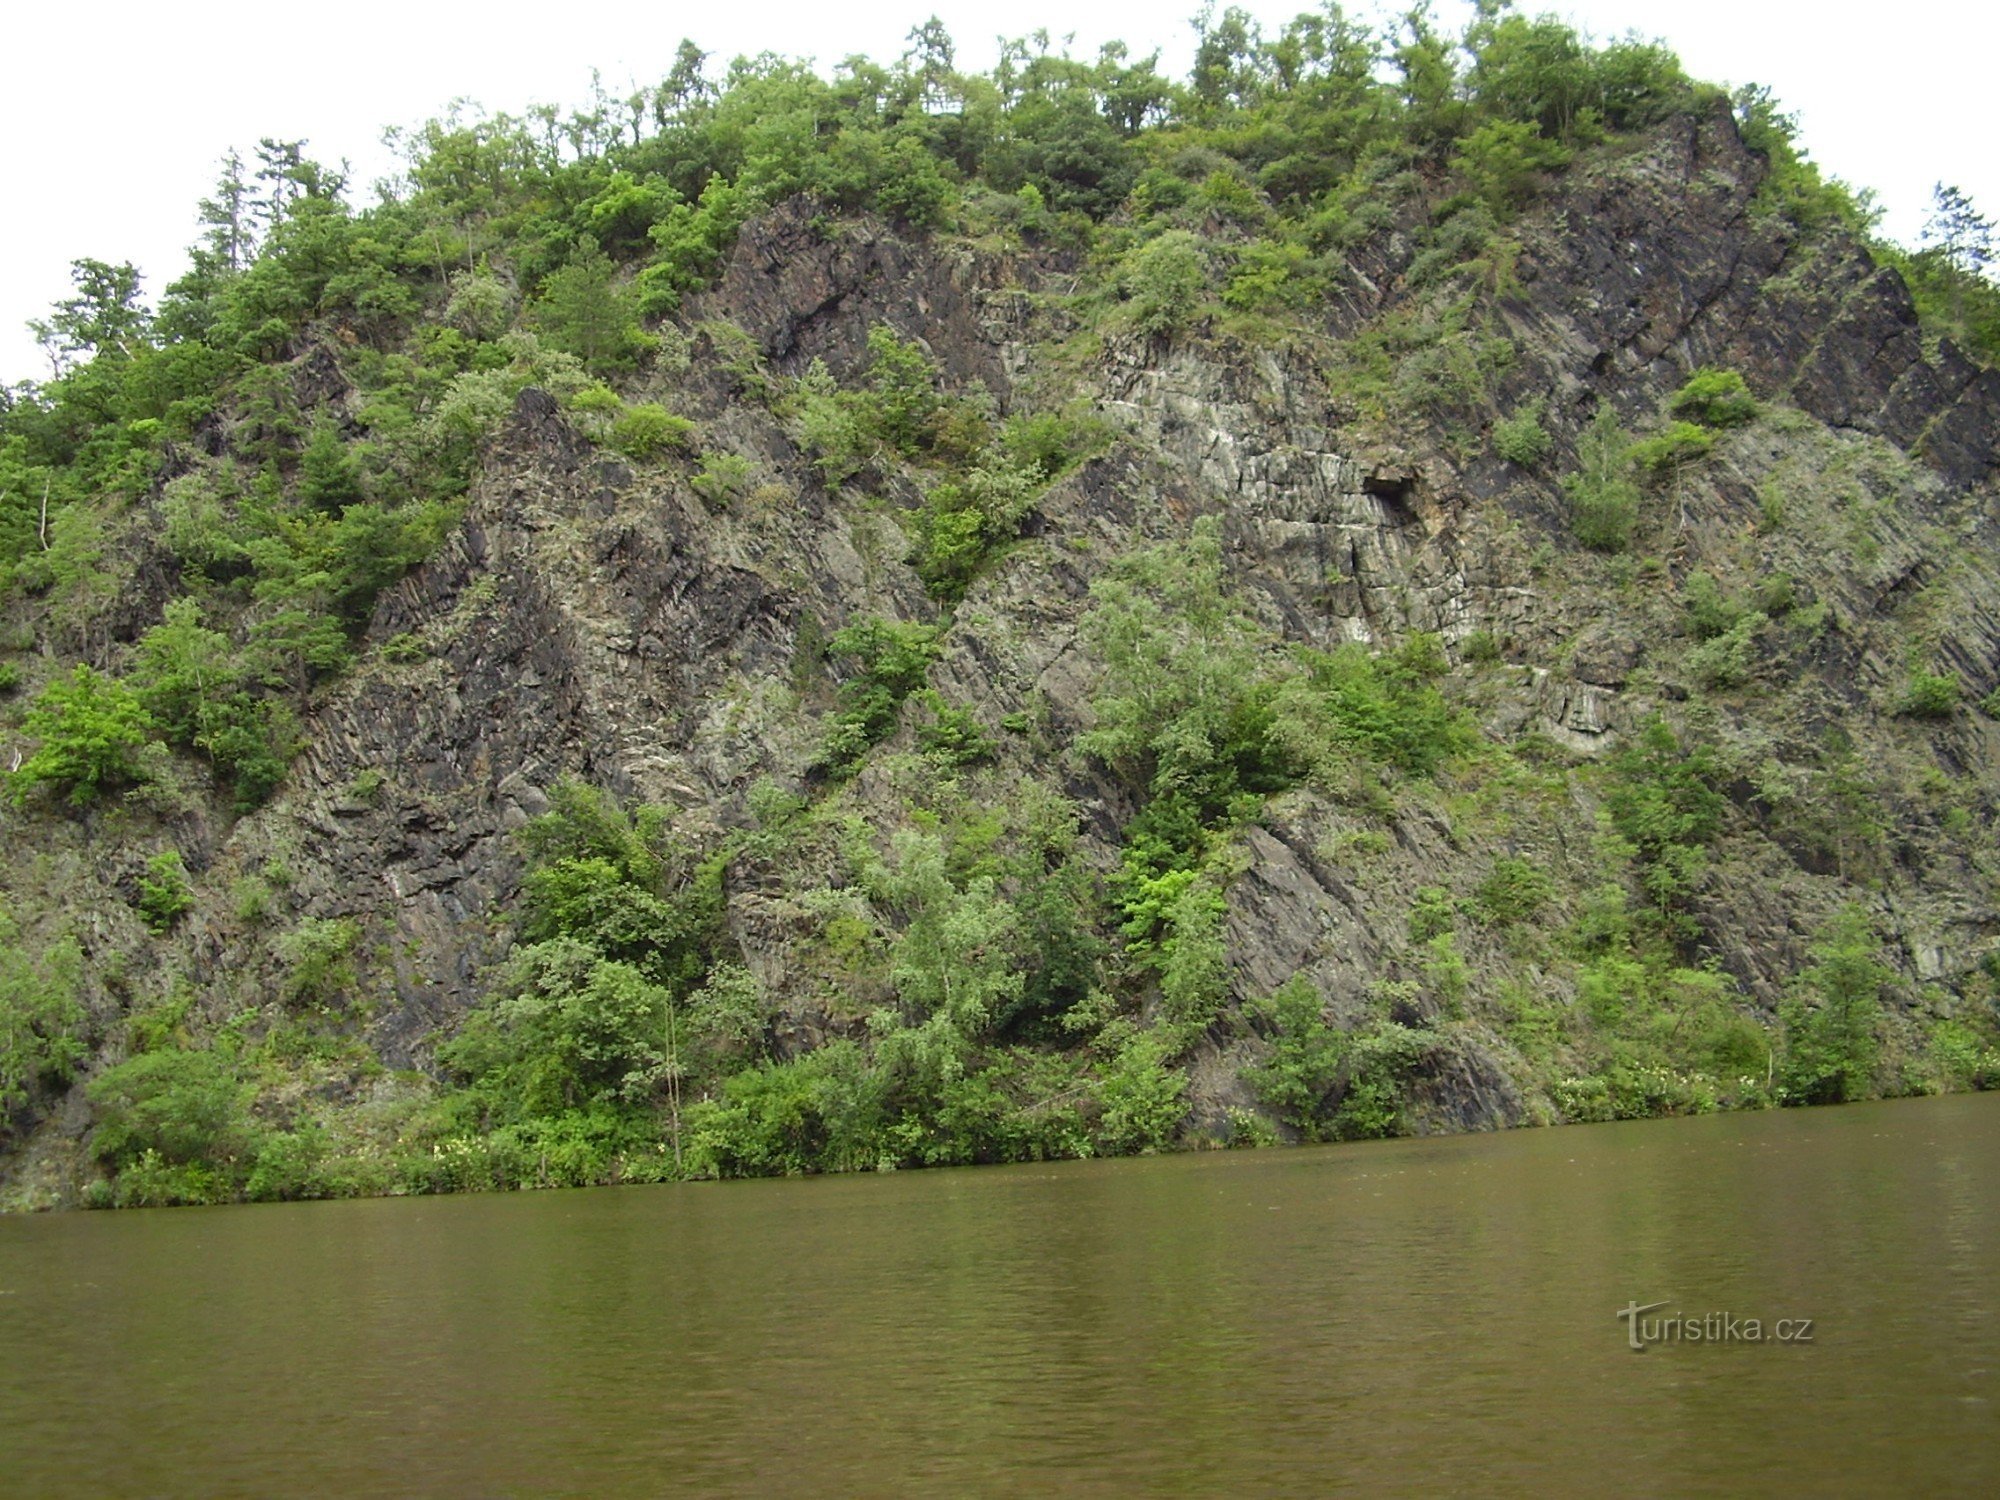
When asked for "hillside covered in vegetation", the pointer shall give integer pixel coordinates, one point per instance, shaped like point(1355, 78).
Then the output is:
point(1404, 582)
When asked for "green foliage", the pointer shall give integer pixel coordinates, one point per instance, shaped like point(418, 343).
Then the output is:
point(318, 956)
point(963, 520)
point(567, 1028)
point(1714, 398)
point(1727, 660)
point(690, 241)
point(1272, 277)
point(1165, 282)
point(1308, 1058)
point(90, 729)
point(822, 1111)
point(1514, 892)
point(585, 311)
point(891, 658)
point(177, 1109)
point(907, 408)
point(1930, 695)
point(1381, 1060)
point(43, 1028)
point(1385, 707)
point(1711, 612)
point(1433, 913)
point(722, 478)
point(165, 895)
point(1663, 799)
point(1678, 444)
point(954, 737)
point(649, 430)
point(1831, 1041)
point(1502, 161)
point(831, 425)
point(1522, 439)
point(1142, 1095)
point(1604, 501)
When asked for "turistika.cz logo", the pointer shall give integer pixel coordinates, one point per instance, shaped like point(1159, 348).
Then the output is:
point(1642, 1332)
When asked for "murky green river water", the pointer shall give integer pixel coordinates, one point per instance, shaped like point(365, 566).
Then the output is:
point(1405, 1315)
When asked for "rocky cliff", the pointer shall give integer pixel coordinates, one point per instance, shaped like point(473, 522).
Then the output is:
point(596, 616)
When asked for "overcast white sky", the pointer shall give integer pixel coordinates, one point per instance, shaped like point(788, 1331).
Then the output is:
point(115, 114)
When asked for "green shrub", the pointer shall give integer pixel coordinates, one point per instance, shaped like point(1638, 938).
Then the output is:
point(954, 736)
point(403, 648)
point(1503, 159)
point(821, 1112)
point(91, 728)
point(648, 430)
point(1141, 1094)
point(1165, 283)
point(722, 478)
point(1711, 612)
point(1604, 502)
point(182, 1108)
point(318, 956)
point(1930, 695)
point(1522, 439)
point(1681, 443)
point(565, 1028)
point(1381, 1060)
point(907, 407)
point(963, 520)
point(42, 1023)
point(586, 311)
point(1727, 660)
point(1432, 912)
point(1714, 398)
point(1663, 799)
point(1513, 892)
point(893, 657)
point(164, 893)
point(1308, 1056)
point(1830, 1022)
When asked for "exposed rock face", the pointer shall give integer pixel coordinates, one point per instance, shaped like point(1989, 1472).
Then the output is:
point(589, 618)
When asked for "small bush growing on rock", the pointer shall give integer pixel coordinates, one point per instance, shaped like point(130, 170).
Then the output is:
point(722, 479)
point(1165, 282)
point(649, 430)
point(893, 657)
point(1714, 398)
point(1522, 439)
point(1725, 661)
point(1514, 891)
point(91, 728)
point(318, 956)
point(42, 1025)
point(164, 893)
point(1930, 695)
point(1681, 443)
point(1604, 502)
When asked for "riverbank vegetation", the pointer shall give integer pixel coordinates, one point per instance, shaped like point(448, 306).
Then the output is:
point(1016, 944)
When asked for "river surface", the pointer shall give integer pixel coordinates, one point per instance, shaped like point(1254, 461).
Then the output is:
point(1436, 1314)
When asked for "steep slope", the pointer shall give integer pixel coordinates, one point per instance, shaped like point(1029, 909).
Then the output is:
point(1466, 824)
